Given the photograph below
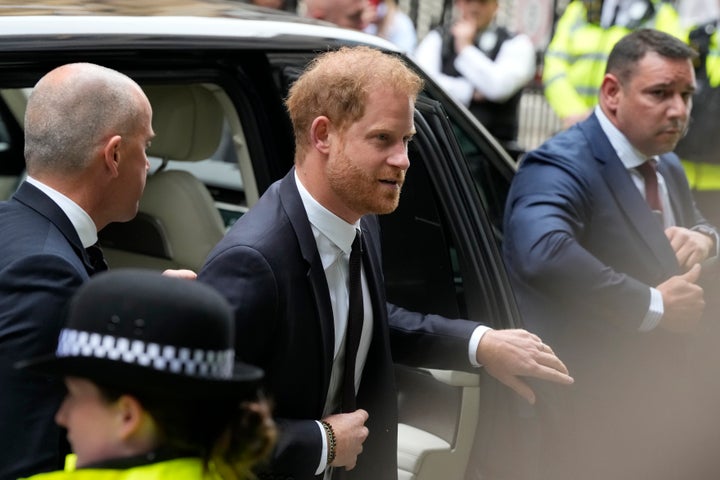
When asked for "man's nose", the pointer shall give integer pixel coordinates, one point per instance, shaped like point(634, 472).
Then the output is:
point(680, 106)
point(400, 159)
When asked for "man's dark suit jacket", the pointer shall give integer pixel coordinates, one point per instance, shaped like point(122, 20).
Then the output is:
point(42, 263)
point(583, 248)
point(269, 268)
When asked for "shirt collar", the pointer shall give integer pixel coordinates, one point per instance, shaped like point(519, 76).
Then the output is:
point(629, 155)
point(84, 225)
point(338, 231)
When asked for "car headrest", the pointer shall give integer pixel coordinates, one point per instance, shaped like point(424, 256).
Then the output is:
point(187, 120)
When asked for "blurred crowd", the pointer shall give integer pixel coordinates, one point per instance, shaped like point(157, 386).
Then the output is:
point(487, 67)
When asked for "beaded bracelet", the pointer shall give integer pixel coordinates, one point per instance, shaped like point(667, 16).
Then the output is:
point(331, 441)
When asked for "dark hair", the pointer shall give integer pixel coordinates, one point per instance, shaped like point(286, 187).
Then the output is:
point(234, 435)
point(634, 46)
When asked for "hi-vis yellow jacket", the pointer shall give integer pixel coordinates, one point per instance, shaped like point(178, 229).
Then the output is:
point(576, 56)
point(712, 63)
point(176, 469)
point(705, 175)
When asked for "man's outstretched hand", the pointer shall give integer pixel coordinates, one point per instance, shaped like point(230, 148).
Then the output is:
point(509, 355)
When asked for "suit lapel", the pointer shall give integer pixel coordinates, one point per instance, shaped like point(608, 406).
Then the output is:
point(35, 199)
point(674, 192)
point(372, 265)
point(641, 220)
point(378, 365)
point(294, 209)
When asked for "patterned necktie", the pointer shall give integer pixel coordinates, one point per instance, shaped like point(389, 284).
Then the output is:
point(354, 327)
point(97, 259)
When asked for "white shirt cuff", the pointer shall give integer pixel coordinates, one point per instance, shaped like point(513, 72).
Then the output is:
point(324, 453)
point(654, 313)
point(475, 342)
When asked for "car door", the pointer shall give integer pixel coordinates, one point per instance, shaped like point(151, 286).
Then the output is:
point(441, 256)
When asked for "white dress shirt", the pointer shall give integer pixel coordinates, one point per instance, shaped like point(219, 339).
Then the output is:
point(631, 159)
point(622, 12)
point(334, 238)
point(497, 80)
point(84, 225)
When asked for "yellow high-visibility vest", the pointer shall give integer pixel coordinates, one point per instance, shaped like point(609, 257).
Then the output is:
point(704, 175)
point(575, 60)
point(177, 469)
point(712, 64)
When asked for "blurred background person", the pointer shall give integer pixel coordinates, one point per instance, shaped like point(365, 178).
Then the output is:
point(287, 5)
point(700, 148)
point(386, 20)
point(483, 65)
point(276, 4)
point(698, 12)
point(351, 14)
point(575, 59)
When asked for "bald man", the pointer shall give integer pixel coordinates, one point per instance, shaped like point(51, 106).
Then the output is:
point(86, 131)
point(351, 14)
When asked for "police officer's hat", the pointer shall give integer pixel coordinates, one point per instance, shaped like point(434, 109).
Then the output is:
point(141, 331)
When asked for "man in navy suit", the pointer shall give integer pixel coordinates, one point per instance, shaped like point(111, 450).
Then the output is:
point(86, 131)
point(606, 267)
point(284, 267)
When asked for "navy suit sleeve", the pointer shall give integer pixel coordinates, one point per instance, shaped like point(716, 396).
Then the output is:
point(548, 217)
point(690, 215)
point(244, 277)
point(429, 341)
point(34, 291)
point(416, 339)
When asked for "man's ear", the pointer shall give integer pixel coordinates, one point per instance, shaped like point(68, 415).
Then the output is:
point(320, 134)
point(111, 154)
point(610, 91)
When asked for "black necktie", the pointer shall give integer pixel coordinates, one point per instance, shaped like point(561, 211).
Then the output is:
point(97, 259)
point(355, 324)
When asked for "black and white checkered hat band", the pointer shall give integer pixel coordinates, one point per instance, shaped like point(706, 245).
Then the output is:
point(216, 364)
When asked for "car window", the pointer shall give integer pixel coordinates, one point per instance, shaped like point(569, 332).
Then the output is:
point(490, 166)
point(222, 170)
point(8, 181)
point(12, 162)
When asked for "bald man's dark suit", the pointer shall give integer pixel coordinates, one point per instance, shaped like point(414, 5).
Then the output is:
point(42, 263)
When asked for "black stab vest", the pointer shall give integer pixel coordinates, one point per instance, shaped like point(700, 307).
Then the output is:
point(501, 119)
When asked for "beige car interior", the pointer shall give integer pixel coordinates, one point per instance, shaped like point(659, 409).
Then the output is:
point(423, 455)
point(178, 221)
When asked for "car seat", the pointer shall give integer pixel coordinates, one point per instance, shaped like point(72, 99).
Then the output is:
point(422, 455)
point(177, 222)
